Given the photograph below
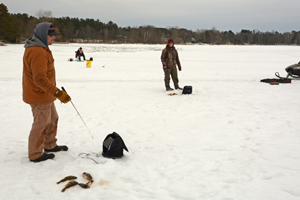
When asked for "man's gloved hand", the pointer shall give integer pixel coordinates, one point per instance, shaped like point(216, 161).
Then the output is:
point(62, 96)
point(179, 68)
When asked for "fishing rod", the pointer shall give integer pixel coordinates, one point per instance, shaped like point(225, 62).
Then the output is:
point(78, 112)
point(106, 63)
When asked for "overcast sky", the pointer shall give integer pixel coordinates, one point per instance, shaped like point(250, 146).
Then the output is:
point(224, 15)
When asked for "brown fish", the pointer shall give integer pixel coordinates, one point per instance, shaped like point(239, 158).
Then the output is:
point(89, 183)
point(69, 184)
point(88, 177)
point(85, 186)
point(66, 179)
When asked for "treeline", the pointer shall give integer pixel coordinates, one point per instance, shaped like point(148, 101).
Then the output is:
point(19, 27)
point(9, 25)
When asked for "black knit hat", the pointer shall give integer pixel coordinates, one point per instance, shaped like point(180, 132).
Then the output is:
point(52, 31)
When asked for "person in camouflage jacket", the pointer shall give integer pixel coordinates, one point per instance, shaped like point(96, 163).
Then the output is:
point(170, 59)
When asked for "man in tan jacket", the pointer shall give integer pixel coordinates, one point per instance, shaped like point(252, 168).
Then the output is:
point(40, 91)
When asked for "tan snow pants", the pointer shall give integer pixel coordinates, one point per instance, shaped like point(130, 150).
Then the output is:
point(43, 131)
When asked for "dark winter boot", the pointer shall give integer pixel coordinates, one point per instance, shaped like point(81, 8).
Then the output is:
point(44, 157)
point(57, 148)
point(169, 89)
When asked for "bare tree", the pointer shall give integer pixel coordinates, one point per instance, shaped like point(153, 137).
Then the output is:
point(44, 15)
point(147, 35)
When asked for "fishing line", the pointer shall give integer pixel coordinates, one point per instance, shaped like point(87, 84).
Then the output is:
point(78, 113)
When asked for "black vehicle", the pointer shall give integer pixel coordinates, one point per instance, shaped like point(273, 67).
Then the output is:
point(293, 70)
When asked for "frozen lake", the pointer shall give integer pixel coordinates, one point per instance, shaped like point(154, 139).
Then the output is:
point(234, 138)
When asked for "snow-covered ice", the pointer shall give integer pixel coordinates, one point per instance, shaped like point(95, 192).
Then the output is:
point(234, 138)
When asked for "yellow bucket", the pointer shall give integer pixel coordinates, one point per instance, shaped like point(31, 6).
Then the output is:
point(88, 63)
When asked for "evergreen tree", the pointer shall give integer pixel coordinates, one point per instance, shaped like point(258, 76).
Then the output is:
point(140, 37)
point(5, 26)
point(294, 38)
point(15, 30)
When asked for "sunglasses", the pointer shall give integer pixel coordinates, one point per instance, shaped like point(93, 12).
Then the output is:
point(52, 36)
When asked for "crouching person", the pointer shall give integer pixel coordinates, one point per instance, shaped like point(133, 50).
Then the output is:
point(40, 92)
point(80, 53)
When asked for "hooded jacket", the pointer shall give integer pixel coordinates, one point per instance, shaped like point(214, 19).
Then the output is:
point(39, 85)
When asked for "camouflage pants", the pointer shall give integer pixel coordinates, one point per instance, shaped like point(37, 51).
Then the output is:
point(173, 73)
